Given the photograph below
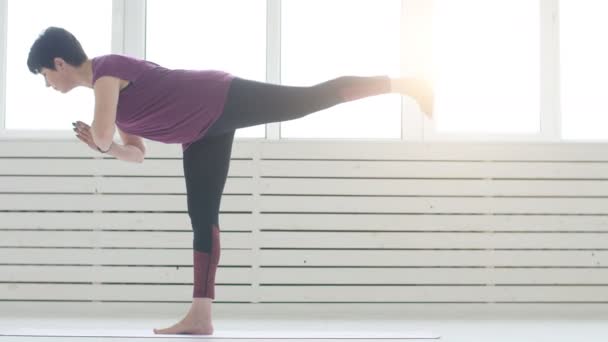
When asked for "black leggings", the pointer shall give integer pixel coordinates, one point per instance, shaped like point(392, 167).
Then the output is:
point(207, 160)
point(252, 103)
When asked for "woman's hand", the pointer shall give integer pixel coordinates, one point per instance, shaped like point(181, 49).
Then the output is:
point(83, 132)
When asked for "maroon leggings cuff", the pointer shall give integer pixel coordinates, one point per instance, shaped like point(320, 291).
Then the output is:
point(205, 267)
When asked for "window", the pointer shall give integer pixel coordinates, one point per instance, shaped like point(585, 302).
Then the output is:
point(228, 35)
point(323, 39)
point(583, 69)
point(486, 57)
point(30, 105)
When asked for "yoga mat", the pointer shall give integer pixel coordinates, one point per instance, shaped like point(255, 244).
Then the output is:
point(219, 334)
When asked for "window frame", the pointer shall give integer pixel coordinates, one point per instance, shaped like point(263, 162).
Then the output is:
point(3, 62)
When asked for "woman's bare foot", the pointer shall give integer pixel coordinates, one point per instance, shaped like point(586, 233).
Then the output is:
point(419, 89)
point(196, 322)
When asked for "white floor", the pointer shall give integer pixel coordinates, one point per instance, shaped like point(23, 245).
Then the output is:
point(449, 330)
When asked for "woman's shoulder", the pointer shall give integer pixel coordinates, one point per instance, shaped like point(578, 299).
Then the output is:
point(119, 58)
point(122, 66)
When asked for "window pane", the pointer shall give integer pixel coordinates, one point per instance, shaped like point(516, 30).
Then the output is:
point(29, 104)
point(325, 39)
point(487, 66)
point(228, 35)
point(583, 69)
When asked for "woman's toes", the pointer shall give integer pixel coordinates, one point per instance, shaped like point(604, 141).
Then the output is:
point(185, 329)
point(176, 329)
point(159, 331)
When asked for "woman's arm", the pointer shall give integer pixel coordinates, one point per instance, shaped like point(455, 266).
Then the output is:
point(128, 153)
point(134, 148)
point(106, 91)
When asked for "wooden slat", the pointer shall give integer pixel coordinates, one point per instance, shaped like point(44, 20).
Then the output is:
point(317, 221)
point(126, 275)
point(117, 221)
point(101, 202)
point(314, 240)
point(108, 292)
point(457, 222)
point(431, 276)
point(48, 184)
point(308, 276)
point(317, 204)
point(447, 205)
point(381, 150)
point(73, 148)
point(433, 293)
point(114, 239)
point(118, 257)
point(137, 185)
point(114, 167)
point(108, 167)
point(44, 148)
point(331, 149)
point(308, 258)
point(432, 187)
point(271, 239)
point(428, 169)
point(166, 185)
point(308, 293)
point(50, 167)
point(432, 258)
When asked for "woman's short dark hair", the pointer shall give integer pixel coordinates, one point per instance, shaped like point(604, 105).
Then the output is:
point(55, 42)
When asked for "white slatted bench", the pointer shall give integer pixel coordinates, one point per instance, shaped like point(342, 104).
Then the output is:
point(320, 224)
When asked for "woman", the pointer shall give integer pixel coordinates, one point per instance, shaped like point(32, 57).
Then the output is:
point(200, 109)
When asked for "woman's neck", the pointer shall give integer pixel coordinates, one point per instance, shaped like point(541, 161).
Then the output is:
point(84, 74)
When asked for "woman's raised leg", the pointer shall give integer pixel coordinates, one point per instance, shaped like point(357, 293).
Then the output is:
point(252, 103)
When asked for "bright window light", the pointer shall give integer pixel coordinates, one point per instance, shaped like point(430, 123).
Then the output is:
point(30, 105)
point(323, 39)
point(486, 57)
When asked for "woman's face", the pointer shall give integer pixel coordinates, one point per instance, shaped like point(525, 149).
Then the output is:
point(59, 78)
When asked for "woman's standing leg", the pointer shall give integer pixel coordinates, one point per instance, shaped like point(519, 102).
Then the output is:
point(206, 163)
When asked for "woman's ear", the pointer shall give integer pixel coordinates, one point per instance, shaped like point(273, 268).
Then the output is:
point(59, 63)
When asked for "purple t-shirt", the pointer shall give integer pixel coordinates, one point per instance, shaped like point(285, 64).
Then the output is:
point(170, 106)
